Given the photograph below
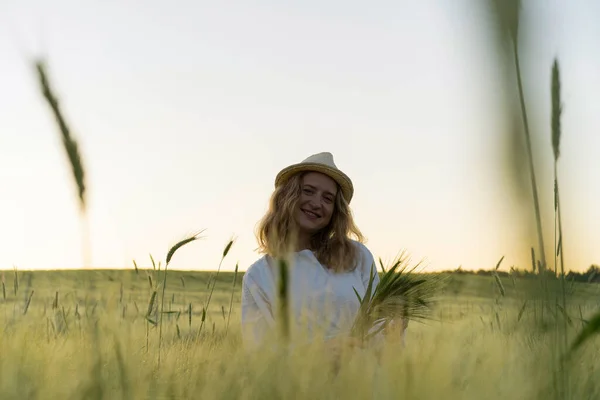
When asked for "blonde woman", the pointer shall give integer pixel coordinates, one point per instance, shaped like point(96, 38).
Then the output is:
point(309, 223)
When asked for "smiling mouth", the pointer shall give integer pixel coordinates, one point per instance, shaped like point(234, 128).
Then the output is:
point(311, 214)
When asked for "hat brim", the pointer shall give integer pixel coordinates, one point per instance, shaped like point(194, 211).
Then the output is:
point(341, 179)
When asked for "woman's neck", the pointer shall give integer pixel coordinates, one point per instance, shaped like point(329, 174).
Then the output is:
point(303, 242)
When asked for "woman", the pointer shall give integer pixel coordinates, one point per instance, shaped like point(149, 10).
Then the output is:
point(309, 223)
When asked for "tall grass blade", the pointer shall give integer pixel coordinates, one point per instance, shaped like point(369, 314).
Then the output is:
point(15, 281)
point(521, 311)
point(499, 284)
point(283, 294)
point(556, 109)
point(151, 304)
point(180, 244)
point(227, 248)
point(536, 202)
point(202, 320)
point(591, 329)
point(231, 299)
point(507, 14)
point(70, 144)
point(225, 252)
point(170, 254)
point(28, 302)
point(381, 265)
point(498, 264)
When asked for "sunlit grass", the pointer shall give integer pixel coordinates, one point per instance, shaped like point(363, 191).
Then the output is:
point(56, 352)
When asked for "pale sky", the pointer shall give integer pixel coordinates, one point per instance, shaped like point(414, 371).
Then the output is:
point(186, 110)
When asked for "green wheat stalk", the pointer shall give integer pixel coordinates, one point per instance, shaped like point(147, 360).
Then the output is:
point(15, 280)
point(558, 242)
point(170, 254)
point(231, 300)
point(507, 12)
point(69, 143)
point(401, 293)
point(283, 295)
point(225, 252)
point(72, 151)
point(28, 302)
point(556, 135)
point(534, 188)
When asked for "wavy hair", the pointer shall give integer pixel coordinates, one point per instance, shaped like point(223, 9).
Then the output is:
point(333, 245)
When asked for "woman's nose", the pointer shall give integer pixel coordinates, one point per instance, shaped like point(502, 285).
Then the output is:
point(313, 204)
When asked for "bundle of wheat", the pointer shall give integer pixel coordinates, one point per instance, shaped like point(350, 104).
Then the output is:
point(400, 294)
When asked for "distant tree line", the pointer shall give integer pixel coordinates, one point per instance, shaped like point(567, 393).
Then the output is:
point(592, 275)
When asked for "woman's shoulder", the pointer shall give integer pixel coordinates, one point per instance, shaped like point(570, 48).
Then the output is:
point(258, 270)
point(364, 256)
point(361, 246)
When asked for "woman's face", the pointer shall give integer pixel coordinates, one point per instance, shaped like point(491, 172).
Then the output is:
point(317, 202)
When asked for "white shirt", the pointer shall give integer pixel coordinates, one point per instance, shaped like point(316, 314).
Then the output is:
point(322, 302)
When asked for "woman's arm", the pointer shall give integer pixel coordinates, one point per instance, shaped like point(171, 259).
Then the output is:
point(257, 313)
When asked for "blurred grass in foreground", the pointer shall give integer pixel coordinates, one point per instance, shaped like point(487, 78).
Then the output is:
point(91, 343)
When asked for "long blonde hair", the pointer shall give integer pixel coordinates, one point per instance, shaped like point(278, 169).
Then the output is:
point(333, 246)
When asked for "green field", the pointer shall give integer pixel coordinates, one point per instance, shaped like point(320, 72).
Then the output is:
point(88, 335)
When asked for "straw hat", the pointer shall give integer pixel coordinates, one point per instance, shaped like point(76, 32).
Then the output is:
point(323, 163)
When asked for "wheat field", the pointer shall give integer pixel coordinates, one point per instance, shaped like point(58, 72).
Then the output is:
point(95, 335)
point(149, 334)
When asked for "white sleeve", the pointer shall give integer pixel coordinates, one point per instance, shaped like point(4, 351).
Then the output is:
point(257, 313)
point(366, 262)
